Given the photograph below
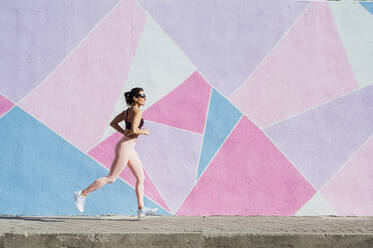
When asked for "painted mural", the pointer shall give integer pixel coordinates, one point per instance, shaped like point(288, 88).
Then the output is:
point(255, 107)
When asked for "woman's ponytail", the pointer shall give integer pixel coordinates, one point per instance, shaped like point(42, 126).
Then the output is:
point(130, 94)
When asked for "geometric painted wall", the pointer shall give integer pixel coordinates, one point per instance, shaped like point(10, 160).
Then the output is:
point(255, 107)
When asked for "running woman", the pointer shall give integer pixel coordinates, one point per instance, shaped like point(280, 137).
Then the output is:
point(125, 153)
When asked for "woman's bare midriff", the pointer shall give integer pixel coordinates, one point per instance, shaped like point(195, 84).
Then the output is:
point(132, 136)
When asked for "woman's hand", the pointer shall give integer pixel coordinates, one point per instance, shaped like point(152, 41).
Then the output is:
point(127, 132)
point(146, 131)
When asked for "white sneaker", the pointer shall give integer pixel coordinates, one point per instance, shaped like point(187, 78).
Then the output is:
point(146, 211)
point(79, 200)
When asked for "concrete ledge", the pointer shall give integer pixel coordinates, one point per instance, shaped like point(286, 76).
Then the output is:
point(289, 240)
point(184, 240)
point(185, 232)
point(69, 240)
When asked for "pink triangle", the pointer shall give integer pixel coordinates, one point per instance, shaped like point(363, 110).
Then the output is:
point(5, 105)
point(185, 107)
point(77, 99)
point(353, 184)
point(249, 176)
point(308, 66)
point(104, 154)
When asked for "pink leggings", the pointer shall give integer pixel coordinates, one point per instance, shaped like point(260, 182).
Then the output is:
point(124, 154)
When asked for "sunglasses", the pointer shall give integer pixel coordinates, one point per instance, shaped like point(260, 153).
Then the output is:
point(141, 95)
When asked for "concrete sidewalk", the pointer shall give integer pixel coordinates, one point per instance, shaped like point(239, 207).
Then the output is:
point(173, 231)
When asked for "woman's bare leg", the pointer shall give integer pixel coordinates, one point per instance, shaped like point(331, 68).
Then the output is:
point(136, 167)
point(123, 151)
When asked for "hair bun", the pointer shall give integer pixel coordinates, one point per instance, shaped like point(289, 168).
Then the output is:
point(130, 94)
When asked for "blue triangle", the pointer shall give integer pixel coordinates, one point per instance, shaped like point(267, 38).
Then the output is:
point(40, 171)
point(221, 118)
point(368, 6)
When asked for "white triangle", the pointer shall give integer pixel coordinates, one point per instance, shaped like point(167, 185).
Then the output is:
point(355, 25)
point(317, 205)
point(159, 66)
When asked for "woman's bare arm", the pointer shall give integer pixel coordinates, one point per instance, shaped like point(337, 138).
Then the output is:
point(116, 120)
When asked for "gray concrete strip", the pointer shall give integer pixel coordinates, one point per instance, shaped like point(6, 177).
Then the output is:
point(182, 231)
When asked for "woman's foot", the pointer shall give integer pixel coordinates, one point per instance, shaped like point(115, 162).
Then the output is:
point(79, 200)
point(146, 211)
